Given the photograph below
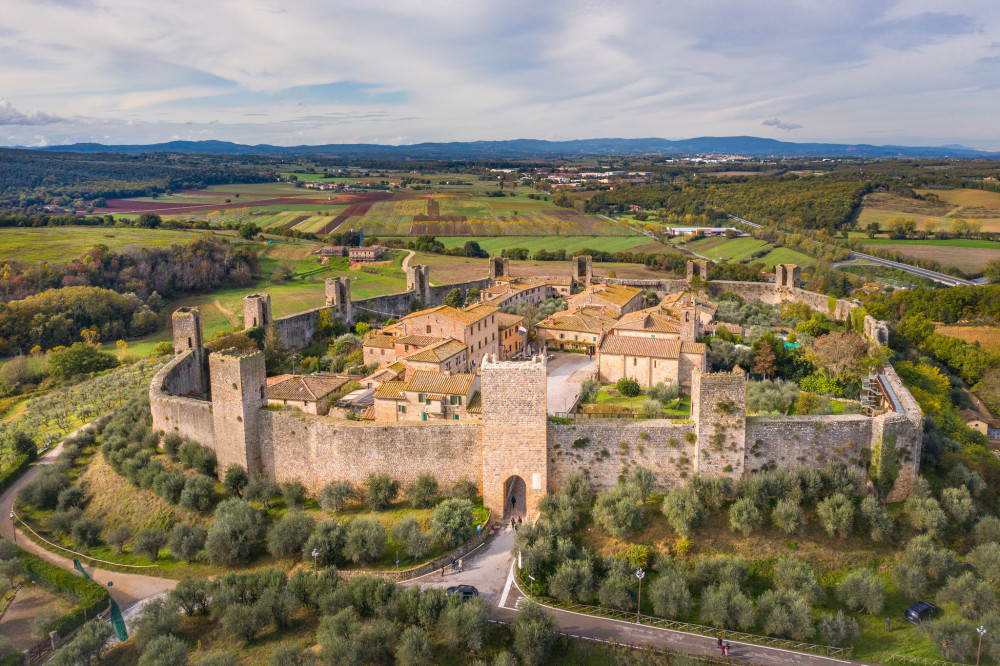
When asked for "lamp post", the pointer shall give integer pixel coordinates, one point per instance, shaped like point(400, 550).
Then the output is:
point(13, 527)
point(315, 555)
point(981, 630)
point(640, 574)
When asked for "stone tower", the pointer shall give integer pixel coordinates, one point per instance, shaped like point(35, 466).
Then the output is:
point(499, 267)
point(186, 325)
point(690, 328)
point(418, 279)
point(876, 331)
point(338, 296)
point(719, 408)
point(699, 268)
point(239, 391)
point(514, 433)
point(787, 276)
point(256, 311)
point(583, 270)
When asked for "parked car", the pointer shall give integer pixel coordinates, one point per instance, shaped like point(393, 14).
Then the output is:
point(921, 611)
point(465, 591)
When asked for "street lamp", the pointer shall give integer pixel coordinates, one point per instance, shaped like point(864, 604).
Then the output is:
point(640, 574)
point(982, 632)
point(315, 560)
point(13, 528)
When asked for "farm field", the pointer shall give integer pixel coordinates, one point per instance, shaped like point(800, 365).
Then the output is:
point(60, 244)
point(952, 242)
point(967, 197)
point(988, 337)
point(967, 258)
point(966, 204)
point(569, 243)
point(725, 249)
point(784, 255)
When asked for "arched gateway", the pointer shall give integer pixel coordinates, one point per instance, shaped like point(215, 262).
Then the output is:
point(515, 493)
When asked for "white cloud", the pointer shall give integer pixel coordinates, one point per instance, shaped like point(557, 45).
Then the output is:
point(11, 116)
point(780, 124)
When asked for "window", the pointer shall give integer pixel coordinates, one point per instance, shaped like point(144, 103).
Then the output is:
point(420, 397)
point(401, 409)
point(189, 343)
point(428, 328)
point(561, 336)
point(455, 417)
point(423, 416)
point(635, 361)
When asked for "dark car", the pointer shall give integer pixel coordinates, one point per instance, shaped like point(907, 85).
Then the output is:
point(465, 591)
point(921, 611)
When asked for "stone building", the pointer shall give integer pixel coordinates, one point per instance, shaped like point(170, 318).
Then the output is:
point(577, 329)
point(650, 361)
point(474, 326)
point(620, 299)
point(510, 329)
point(309, 393)
point(426, 396)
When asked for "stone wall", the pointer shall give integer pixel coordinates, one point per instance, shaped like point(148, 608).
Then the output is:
point(908, 429)
point(238, 394)
point(316, 451)
point(296, 331)
point(769, 293)
point(789, 442)
point(604, 450)
point(172, 411)
point(719, 405)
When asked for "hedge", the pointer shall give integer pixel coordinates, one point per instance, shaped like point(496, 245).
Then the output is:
point(14, 472)
point(92, 597)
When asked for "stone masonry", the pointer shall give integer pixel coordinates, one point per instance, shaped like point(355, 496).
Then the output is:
point(719, 400)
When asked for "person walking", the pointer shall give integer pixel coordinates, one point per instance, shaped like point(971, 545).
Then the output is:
point(460, 567)
point(725, 648)
point(888, 625)
point(454, 564)
point(719, 643)
point(442, 571)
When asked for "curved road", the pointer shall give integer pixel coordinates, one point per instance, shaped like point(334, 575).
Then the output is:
point(127, 590)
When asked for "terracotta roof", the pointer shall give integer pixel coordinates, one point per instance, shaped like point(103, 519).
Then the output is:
point(506, 320)
point(386, 374)
point(467, 316)
point(627, 345)
point(418, 340)
point(380, 341)
point(307, 387)
point(277, 379)
point(438, 352)
point(475, 405)
point(650, 319)
point(617, 294)
point(456, 383)
point(369, 414)
point(390, 390)
point(585, 319)
point(673, 301)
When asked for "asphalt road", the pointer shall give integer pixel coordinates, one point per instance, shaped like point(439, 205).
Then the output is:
point(566, 373)
point(127, 590)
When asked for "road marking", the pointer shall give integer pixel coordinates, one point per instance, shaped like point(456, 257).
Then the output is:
point(506, 588)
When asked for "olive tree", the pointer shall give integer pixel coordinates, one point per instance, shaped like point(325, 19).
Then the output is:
point(422, 491)
point(683, 509)
point(744, 516)
point(862, 591)
point(618, 510)
point(451, 523)
point(364, 540)
point(785, 613)
point(415, 541)
point(286, 537)
point(534, 633)
point(840, 630)
point(235, 534)
point(186, 541)
point(727, 607)
point(836, 514)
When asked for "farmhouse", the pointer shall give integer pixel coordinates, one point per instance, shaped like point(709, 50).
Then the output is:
point(370, 253)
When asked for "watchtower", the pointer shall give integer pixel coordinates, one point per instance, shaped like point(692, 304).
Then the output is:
point(690, 328)
point(697, 268)
point(239, 391)
point(499, 267)
point(186, 326)
point(418, 279)
point(256, 311)
point(338, 295)
point(719, 408)
point(787, 276)
point(876, 331)
point(583, 269)
point(515, 468)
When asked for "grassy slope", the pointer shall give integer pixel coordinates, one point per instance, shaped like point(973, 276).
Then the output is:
point(569, 243)
point(722, 249)
point(61, 244)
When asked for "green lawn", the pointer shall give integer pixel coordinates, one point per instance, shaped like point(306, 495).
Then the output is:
point(783, 255)
point(495, 246)
point(723, 249)
point(954, 242)
point(604, 397)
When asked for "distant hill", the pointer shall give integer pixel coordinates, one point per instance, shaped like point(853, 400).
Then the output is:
point(534, 148)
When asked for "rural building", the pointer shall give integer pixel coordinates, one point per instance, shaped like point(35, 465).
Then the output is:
point(307, 392)
point(618, 298)
point(333, 251)
point(980, 423)
point(474, 326)
point(579, 329)
point(511, 330)
point(382, 349)
point(445, 356)
point(426, 396)
point(649, 361)
point(370, 253)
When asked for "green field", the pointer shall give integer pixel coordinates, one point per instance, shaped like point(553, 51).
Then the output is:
point(495, 246)
point(783, 255)
point(61, 244)
point(954, 242)
point(724, 249)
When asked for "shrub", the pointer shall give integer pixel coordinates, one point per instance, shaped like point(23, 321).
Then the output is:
point(186, 541)
point(794, 575)
point(261, 489)
point(720, 569)
point(788, 516)
point(172, 444)
point(910, 580)
point(198, 493)
point(119, 537)
point(422, 492)
point(924, 514)
point(169, 485)
point(87, 644)
point(364, 540)
point(200, 458)
point(642, 479)
point(628, 387)
point(663, 393)
point(861, 591)
point(415, 541)
point(617, 590)
point(959, 504)
point(954, 638)
point(451, 523)
point(670, 595)
point(413, 648)
point(836, 514)
point(335, 495)
point(87, 531)
point(987, 530)
point(294, 494)
point(43, 491)
point(287, 536)
point(986, 560)
point(875, 520)
point(328, 540)
point(650, 408)
point(961, 475)
point(149, 543)
point(618, 511)
point(235, 480)
point(839, 629)
point(683, 509)
point(534, 633)
point(935, 562)
point(465, 489)
point(972, 596)
point(72, 497)
point(726, 607)
point(157, 618)
point(380, 491)
point(785, 613)
point(744, 516)
point(573, 580)
point(235, 533)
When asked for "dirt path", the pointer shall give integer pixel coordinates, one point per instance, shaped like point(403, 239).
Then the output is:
point(128, 588)
point(229, 313)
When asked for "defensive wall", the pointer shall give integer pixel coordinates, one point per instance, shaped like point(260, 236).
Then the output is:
point(219, 400)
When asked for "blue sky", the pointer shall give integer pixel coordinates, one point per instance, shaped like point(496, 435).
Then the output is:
point(912, 72)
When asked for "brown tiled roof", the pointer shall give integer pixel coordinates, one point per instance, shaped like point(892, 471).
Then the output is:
point(380, 341)
point(437, 352)
point(475, 405)
point(506, 320)
point(456, 383)
point(467, 316)
point(390, 390)
point(307, 387)
point(627, 345)
point(369, 414)
point(586, 319)
point(650, 319)
point(277, 379)
point(417, 340)
point(617, 294)
point(672, 301)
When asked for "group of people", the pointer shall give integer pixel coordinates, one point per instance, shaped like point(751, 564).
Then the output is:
point(456, 565)
point(724, 647)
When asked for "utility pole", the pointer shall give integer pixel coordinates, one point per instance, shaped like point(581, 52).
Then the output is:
point(640, 574)
point(981, 630)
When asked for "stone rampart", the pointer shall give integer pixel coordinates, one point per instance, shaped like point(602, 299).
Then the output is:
point(316, 450)
point(907, 427)
point(789, 442)
point(603, 450)
point(172, 410)
point(769, 293)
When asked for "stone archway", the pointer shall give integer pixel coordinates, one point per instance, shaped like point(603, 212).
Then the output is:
point(515, 498)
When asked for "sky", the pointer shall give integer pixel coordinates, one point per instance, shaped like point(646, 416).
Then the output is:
point(907, 72)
